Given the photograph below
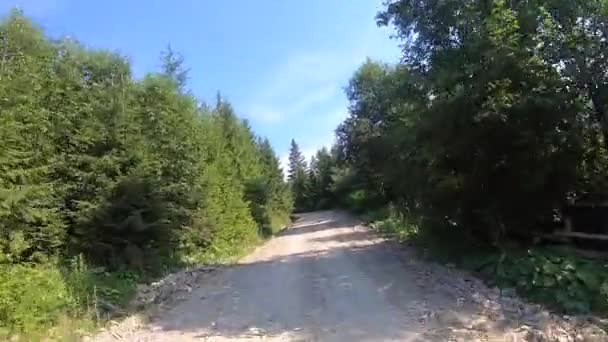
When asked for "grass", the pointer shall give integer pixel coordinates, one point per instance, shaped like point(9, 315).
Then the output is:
point(59, 302)
point(64, 301)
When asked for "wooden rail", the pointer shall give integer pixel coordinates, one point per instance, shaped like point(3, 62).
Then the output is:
point(578, 235)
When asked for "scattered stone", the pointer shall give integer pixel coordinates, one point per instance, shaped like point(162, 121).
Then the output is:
point(447, 318)
point(173, 286)
point(502, 314)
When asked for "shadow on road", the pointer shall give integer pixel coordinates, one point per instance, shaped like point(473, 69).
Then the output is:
point(356, 236)
point(363, 292)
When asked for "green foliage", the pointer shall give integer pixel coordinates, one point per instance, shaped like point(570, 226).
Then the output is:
point(32, 297)
point(320, 181)
point(557, 278)
point(269, 195)
point(491, 122)
point(298, 178)
point(571, 283)
point(321, 184)
point(58, 302)
point(125, 175)
point(173, 67)
point(29, 222)
point(392, 223)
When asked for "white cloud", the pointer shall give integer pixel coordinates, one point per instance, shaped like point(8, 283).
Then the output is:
point(271, 114)
point(314, 97)
point(305, 93)
point(336, 116)
point(311, 78)
point(284, 162)
point(304, 81)
point(265, 114)
point(309, 69)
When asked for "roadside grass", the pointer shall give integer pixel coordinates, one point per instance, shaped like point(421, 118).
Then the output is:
point(63, 301)
point(562, 281)
point(52, 301)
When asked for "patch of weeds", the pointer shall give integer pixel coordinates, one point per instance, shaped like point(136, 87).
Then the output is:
point(59, 302)
point(566, 282)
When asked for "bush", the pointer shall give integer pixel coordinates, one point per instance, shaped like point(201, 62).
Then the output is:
point(32, 297)
point(38, 300)
point(389, 221)
point(568, 282)
point(358, 200)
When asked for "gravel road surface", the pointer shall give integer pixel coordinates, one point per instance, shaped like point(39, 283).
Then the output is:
point(328, 278)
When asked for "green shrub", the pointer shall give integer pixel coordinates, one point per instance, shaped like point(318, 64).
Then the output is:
point(396, 226)
point(30, 297)
point(568, 282)
point(37, 300)
point(33, 298)
point(561, 280)
point(358, 200)
point(278, 221)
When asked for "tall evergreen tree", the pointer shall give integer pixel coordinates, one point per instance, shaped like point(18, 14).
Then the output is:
point(30, 224)
point(297, 176)
point(323, 171)
point(172, 64)
point(121, 171)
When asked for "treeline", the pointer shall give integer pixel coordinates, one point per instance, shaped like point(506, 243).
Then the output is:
point(118, 172)
point(312, 183)
point(496, 118)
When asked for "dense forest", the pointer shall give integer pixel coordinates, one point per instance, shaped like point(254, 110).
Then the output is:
point(107, 177)
point(492, 124)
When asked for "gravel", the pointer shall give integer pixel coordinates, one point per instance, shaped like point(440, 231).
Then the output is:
point(328, 278)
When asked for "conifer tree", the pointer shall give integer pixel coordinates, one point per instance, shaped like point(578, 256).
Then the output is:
point(297, 176)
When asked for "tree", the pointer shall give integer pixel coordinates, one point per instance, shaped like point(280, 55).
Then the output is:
point(98, 164)
point(488, 94)
point(269, 195)
point(320, 172)
point(312, 183)
point(30, 225)
point(173, 67)
point(297, 176)
point(100, 169)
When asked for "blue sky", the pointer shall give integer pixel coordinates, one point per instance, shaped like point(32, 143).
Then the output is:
point(282, 63)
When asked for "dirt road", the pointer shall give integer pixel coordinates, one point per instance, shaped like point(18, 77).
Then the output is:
point(328, 278)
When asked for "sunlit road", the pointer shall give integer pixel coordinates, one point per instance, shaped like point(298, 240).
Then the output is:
point(326, 278)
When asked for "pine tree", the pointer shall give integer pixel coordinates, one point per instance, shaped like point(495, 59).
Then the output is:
point(173, 67)
point(30, 226)
point(320, 174)
point(297, 176)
